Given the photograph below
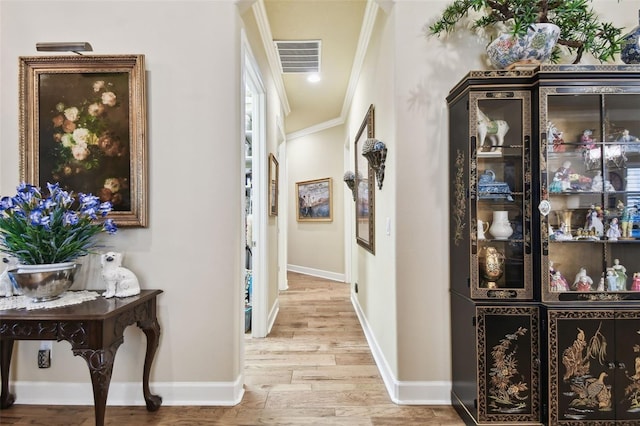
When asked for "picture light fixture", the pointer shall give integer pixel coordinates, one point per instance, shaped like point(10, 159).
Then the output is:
point(65, 46)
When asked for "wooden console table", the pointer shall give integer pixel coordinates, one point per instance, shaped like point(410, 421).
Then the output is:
point(95, 330)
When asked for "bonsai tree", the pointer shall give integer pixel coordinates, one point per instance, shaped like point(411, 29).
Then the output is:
point(580, 29)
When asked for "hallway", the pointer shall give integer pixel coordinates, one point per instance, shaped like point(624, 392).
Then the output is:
point(315, 368)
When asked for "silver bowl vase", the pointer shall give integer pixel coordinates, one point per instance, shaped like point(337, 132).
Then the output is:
point(43, 282)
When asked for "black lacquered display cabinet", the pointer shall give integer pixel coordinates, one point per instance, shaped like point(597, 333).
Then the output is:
point(545, 245)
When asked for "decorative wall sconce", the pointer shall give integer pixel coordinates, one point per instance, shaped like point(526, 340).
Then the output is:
point(64, 46)
point(375, 152)
point(350, 180)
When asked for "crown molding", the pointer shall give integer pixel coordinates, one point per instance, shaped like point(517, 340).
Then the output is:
point(260, 14)
point(368, 22)
point(315, 128)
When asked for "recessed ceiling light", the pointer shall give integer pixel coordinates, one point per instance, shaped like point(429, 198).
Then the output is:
point(313, 78)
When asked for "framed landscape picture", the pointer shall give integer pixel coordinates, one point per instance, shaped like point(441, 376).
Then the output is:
point(273, 185)
point(314, 200)
point(83, 125)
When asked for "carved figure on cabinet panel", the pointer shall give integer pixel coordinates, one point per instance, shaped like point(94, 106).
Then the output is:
point(588, 392)
point(573, 359)
point(632, 391)
point(506, 392)
point(592, 393)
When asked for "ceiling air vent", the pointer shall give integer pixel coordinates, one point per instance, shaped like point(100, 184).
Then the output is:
point(299, 56)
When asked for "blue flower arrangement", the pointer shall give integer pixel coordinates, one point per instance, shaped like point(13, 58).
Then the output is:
point(58, 228)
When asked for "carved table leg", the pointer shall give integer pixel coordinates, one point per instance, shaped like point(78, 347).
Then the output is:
point(152, 330)
point(100, 362)
point(6, 348)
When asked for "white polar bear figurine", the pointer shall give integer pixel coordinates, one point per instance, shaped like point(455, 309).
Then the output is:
point(6, 286)
point(120, 281)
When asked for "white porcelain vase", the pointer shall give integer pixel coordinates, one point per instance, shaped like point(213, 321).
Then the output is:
point(501, 227)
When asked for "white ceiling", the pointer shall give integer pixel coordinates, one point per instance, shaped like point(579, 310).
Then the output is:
point(337, 24)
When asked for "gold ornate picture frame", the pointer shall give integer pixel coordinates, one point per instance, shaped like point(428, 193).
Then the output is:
point(273, 185)
point(83, 125)
point(315, 201)
point(365, 186)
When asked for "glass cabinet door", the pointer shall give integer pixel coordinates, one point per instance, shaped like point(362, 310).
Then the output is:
point(500, 195)
point(590, 192)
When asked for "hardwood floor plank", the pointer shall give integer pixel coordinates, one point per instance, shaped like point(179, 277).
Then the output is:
point(314, 368)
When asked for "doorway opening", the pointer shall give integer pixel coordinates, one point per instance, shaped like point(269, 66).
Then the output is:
point(255, 193)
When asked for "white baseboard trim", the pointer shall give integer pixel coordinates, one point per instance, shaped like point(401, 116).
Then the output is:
point(130, 393)
point(333, 276)
point(273, 315)
point(402, 393)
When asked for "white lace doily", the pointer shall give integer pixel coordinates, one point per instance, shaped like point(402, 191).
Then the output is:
point(67, 298)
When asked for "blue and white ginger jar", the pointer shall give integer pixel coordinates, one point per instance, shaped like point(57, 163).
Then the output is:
point(534, 47)
point(630, 47)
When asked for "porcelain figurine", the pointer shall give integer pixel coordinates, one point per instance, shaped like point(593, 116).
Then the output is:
point(621, 275)
point(559, 283)
point(587, 139)
point(6, 286)
point(120, 281)
point(613, 233)
point(635, 286)
point(582, 282)
point(612, 280)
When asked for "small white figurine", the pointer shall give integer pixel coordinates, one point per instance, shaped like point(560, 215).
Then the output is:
point(613, 233)
point(6, 286)
point(120, 281)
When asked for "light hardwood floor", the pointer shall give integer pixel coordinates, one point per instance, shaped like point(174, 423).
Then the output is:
point(315, 368)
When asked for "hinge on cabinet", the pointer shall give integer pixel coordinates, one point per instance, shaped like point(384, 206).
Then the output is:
point(475, 403)
point(468, 282)
point(473, 321)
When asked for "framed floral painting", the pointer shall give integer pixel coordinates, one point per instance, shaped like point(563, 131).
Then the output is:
point(83, 125)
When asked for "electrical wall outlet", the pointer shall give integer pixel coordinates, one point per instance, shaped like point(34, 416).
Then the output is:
point(44, 355)
point(44, 358)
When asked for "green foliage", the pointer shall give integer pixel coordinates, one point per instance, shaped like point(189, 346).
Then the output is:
point(580, 29)
point(59, 228)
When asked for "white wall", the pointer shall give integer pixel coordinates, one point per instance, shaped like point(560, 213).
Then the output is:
point(403, 289)
point(192, 247)
point(374, 273)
